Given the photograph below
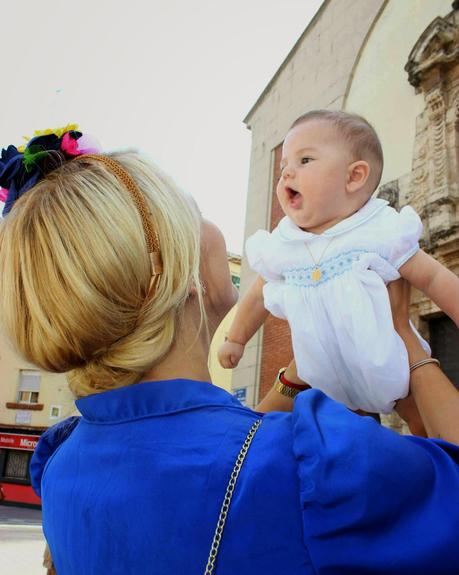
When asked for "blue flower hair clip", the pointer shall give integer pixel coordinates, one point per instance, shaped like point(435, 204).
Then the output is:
point(23, 167)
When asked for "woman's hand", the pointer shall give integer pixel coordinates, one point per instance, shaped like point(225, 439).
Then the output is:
point(399, 296)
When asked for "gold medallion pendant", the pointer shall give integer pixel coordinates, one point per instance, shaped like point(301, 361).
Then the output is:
point(316, 274)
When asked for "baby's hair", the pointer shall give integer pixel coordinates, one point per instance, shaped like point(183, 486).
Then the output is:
point(75, 270)
point(360, 134)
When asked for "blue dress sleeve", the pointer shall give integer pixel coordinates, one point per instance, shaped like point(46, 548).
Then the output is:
point(47, 445)
point(374, 502)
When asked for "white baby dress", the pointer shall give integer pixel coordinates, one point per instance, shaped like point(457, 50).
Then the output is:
point(343, 337)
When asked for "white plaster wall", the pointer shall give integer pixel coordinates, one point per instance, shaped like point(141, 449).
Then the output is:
point(380, 90)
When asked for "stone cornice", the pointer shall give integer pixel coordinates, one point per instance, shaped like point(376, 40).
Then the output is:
point(438, 46)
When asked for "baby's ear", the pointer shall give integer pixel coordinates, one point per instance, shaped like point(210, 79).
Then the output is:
point(357, 176)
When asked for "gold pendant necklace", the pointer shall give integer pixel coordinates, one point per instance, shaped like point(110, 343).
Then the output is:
point(316, 274)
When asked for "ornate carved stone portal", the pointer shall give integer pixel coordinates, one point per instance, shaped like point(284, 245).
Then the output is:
point(432, 187)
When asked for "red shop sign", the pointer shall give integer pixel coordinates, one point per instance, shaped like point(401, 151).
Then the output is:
point(13, 441)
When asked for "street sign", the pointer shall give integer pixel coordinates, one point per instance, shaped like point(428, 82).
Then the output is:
point(23, 417)
point(16, 441)
point(241, 394)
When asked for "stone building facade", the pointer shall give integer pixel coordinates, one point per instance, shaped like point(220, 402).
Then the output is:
point(397, 64)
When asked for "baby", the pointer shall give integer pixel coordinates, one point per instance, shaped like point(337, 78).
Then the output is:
point(325, 267)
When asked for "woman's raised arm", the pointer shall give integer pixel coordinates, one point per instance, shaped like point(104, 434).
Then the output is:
point(436, 397)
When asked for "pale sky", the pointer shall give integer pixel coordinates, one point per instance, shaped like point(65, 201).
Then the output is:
point(172, 78)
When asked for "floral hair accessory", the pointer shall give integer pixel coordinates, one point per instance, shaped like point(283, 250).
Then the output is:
point(21, 168)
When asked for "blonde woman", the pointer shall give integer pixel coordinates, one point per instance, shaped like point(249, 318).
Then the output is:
point(109, 274)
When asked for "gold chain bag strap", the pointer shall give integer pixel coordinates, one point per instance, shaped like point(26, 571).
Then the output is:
point(211, 562)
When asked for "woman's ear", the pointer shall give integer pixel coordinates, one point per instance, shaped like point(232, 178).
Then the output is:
point(215, 273)
point(357, 176)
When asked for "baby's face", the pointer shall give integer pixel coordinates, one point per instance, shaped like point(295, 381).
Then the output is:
point(314, 170)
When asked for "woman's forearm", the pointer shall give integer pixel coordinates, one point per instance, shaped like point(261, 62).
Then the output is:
point(436, 397)
point(275, 401)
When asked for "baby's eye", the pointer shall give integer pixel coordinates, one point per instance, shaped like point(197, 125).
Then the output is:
point(305, 160)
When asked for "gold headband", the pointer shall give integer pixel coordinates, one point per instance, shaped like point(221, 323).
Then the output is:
point(151, 237)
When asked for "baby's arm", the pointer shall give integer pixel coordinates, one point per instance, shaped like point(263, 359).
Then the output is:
point(250, 315)
point(437, 282)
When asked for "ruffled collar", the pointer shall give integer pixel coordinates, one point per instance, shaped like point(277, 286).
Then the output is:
point(289, 231)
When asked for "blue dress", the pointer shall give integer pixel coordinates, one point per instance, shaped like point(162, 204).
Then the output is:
point(135, 487)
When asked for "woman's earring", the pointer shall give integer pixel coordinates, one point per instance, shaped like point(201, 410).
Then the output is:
point(193, 290)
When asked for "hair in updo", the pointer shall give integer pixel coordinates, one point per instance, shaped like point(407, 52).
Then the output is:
point(75, 272)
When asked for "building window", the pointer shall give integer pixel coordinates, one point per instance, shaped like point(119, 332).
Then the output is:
point(28, 397)
point(55, 412)
point(236, 280)
point(16, 464)
point(29, 386)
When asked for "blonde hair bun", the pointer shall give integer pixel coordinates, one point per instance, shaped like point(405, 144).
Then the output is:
point(75, 270)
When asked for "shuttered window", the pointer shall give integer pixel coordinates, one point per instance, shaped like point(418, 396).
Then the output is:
point(29, 386)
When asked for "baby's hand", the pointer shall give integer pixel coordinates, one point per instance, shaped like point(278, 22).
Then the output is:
point(230, 354)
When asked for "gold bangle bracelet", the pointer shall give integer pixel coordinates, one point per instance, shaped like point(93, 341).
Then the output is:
point(424, 362)
point(285, 390)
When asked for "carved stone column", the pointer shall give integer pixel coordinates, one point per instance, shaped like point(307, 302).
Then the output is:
point(433, 69)
point(432, 188)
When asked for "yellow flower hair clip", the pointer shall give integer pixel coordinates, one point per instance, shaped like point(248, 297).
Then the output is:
point(59, 132)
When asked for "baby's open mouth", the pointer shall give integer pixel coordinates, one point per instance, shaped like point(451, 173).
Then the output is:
point(292, 194)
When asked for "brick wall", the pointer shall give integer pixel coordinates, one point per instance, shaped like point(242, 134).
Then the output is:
point(277, 349)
